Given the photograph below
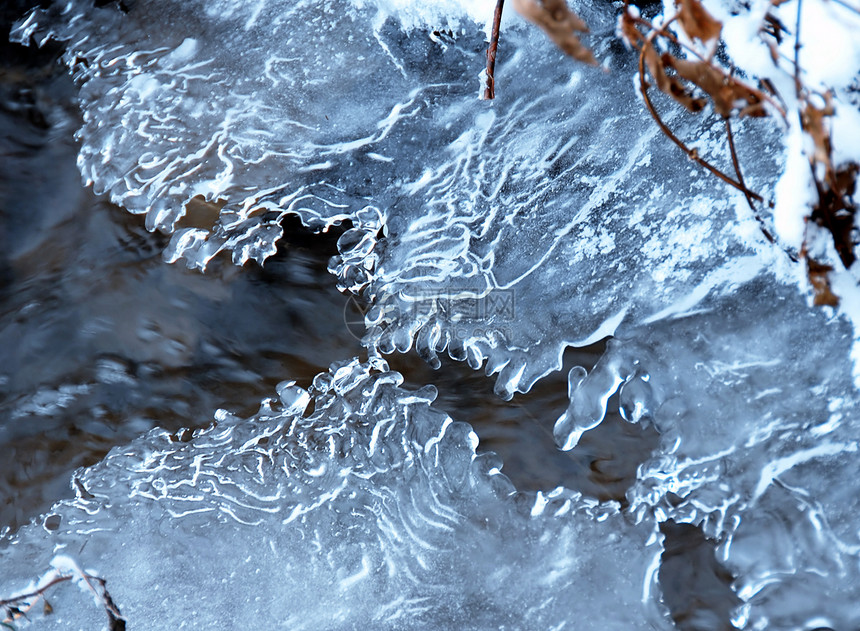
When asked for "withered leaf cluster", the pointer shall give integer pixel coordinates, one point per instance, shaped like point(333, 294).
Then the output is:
point(657, 64)
point(677, 77)
point(695, 80)
point(560, 23)
point(727, 94)
point(673, 76)
point(835, 209)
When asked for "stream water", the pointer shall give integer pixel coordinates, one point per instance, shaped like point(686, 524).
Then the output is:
point(103, 341)
point(672, 423)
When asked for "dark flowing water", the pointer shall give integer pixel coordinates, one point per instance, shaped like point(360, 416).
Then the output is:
point(100, 341)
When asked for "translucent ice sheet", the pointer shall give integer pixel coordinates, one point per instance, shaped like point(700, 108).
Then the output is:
point(499, 232)
point(757, 411)
point(372, 511)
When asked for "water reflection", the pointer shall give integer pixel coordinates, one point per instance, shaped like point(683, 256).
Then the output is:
point(603, 465)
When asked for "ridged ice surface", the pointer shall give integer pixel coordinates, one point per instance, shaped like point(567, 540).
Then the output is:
point(373, 511)
point(497, 232)
point(754, 401)
point(511, 227)
point(276, 107)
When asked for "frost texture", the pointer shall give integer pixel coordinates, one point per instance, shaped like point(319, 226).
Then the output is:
point(541, 207)
point(501, 233)
point(371, 512)
point(755, 404)
point(243, 104)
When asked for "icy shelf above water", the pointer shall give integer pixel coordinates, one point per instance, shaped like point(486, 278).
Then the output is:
point(275, 107)
point(757, 410)
point(373, 511)
point(559, 208)
point(499, 233)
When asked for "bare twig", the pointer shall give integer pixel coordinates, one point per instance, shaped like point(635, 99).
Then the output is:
point(691, 153)
point(736, 164)
point(23, 603)
point(490, 88)
point(737, 167)
point(663, 31)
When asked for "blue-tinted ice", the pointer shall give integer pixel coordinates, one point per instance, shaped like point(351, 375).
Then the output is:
point(498, 232)
point(373, 511)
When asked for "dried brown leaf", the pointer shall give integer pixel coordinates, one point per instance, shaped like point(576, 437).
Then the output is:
point(669, 84)
point(560, 23)
point(835, 210)
point(727, 94)
point(697, 22)
point(627, 28)
point(813, 124)
point(820, 281)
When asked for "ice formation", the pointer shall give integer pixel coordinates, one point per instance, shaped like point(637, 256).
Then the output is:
point(373, 511)
point(501, 233)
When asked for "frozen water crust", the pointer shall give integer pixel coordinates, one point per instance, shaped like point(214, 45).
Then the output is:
point(275, 107)
point(371, 511)
point(511, 229)
point(499, 233)
point(755, 404)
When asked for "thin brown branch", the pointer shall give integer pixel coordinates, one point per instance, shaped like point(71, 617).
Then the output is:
point(640, 21)
point(664, 32)
point(107, 601)
point(25, 602)
point(490, 87)
point(691, 153)
point(36, 593)
point(737, 166)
